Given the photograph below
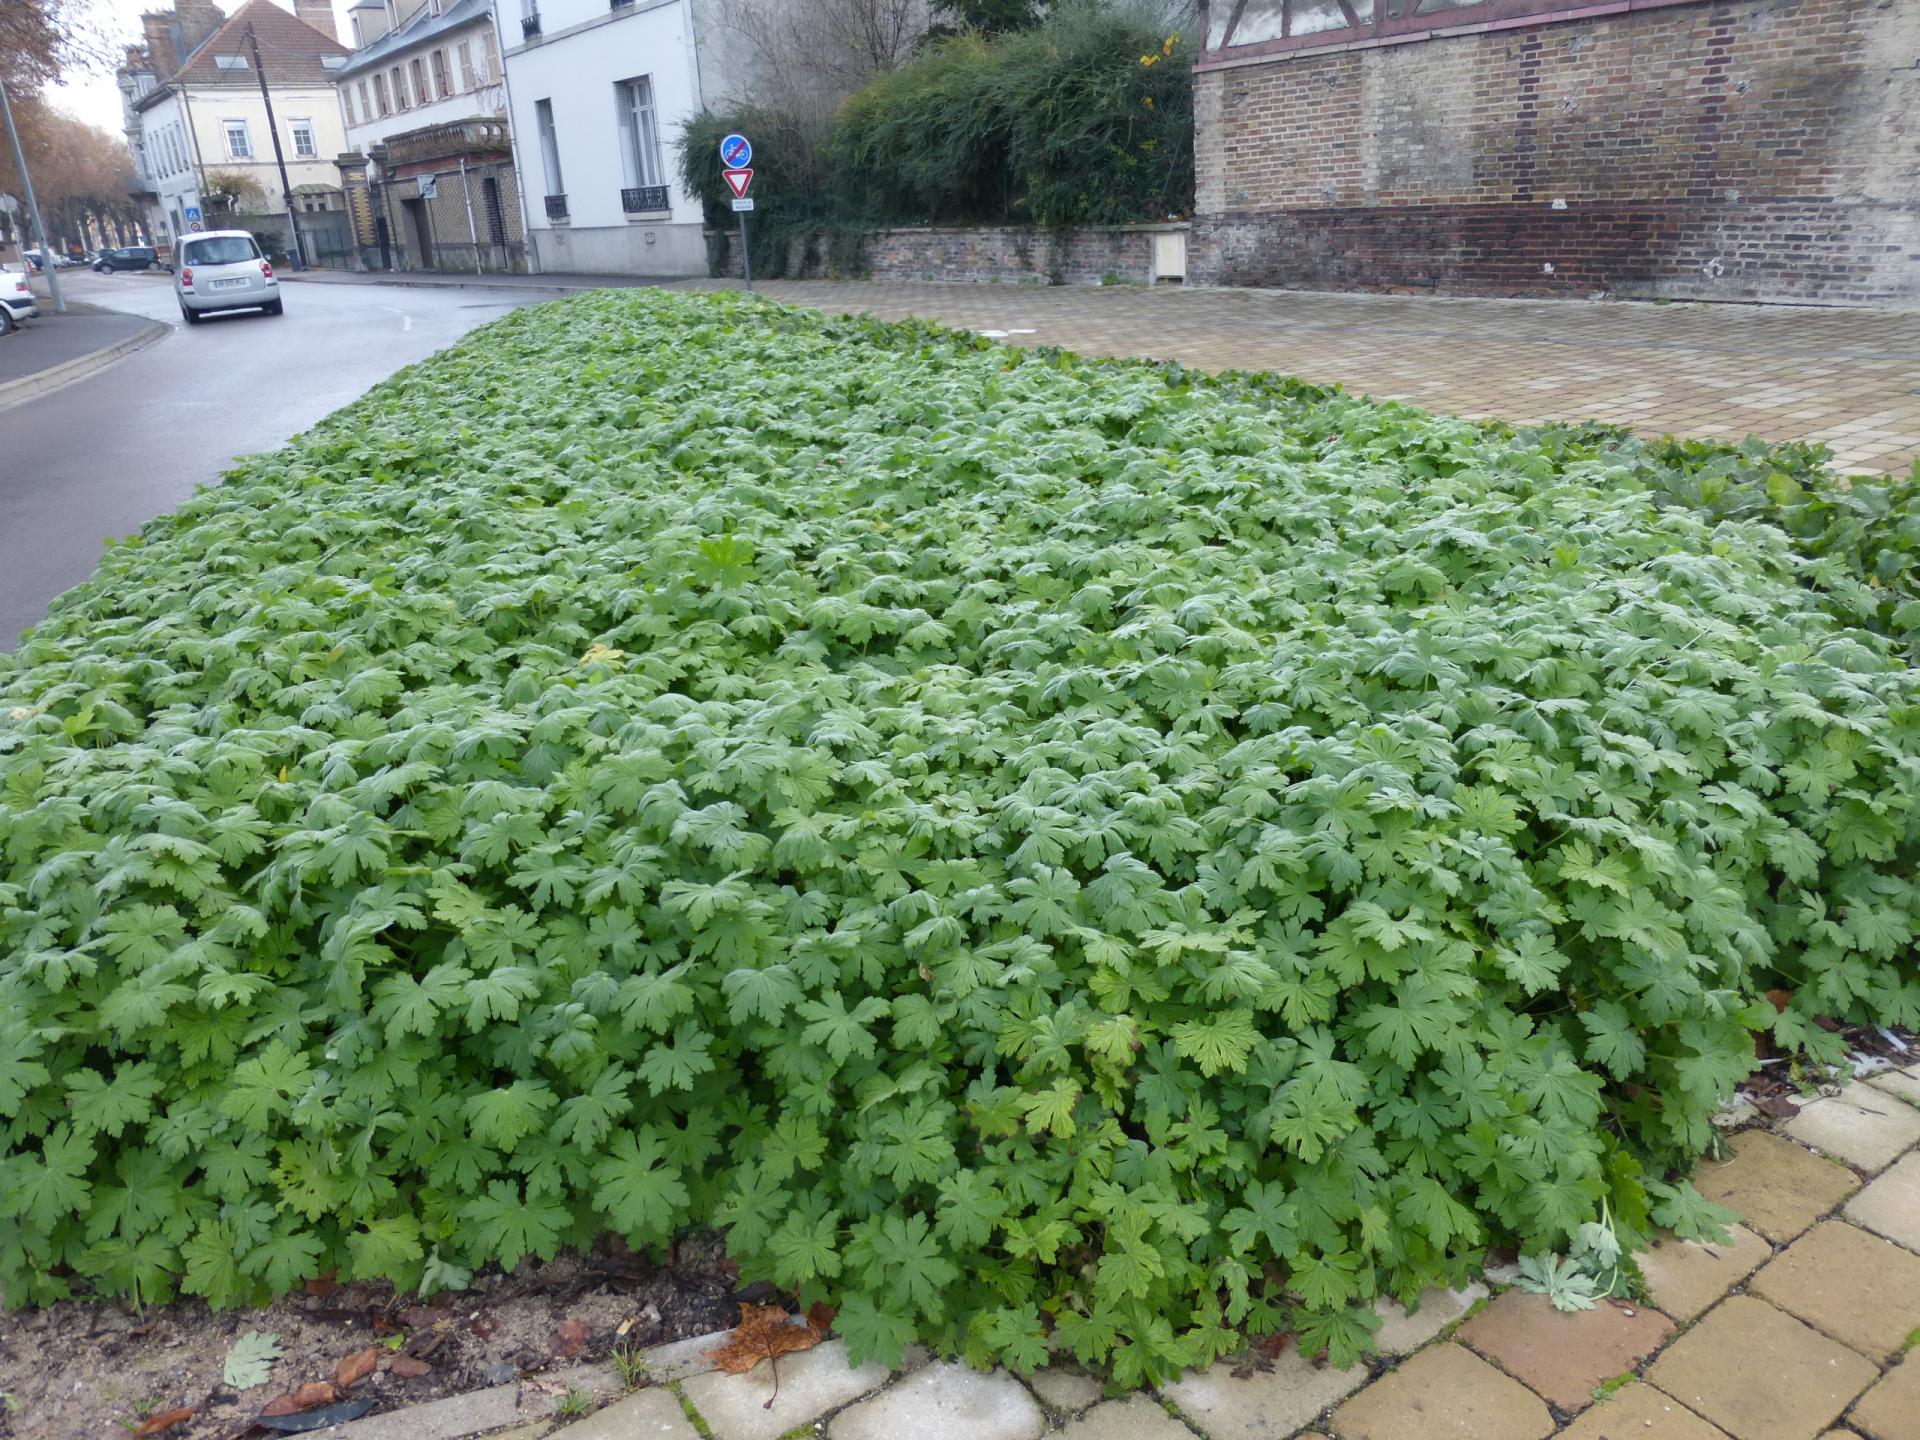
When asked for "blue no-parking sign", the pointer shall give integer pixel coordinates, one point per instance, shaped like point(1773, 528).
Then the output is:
point(735, 152)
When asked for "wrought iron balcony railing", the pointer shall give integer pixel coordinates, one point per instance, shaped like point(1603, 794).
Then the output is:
point(556, 207)
point(644, 199)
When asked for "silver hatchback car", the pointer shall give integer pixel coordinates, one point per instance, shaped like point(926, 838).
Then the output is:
point(223, 270)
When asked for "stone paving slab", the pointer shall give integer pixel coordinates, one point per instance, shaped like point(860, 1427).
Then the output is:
point(945, 1399)
point(1138, 1417)
point(1065, 1390)
point(1760, 1374)
point(1443, 1393)
point(1846, 378)
point(1640, 1412)
point(473, 1413)
point(1890, 1206)
point(542, 1395)
point(1684, 1277)
point(1266, 1403)
point(1563, 1356)
point(651, 1414)
point(1862, 1290)
point(1775, 1186)
point(1891, 1409)
point(682, 1359)
point(1402, 1331)
point(1862, 1125)
point(811, 1382)
point(1898, 1082)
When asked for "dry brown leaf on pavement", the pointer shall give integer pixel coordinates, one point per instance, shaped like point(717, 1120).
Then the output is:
point(765, 1332)
point(314, 1392)
point(408, 1368)
point(356, 1367)
point(571, 1340)
point(161, 1423)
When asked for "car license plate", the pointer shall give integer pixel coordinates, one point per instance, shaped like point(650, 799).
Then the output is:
point(229, 284)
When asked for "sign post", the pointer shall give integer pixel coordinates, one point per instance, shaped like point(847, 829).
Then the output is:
point(33, 210)
point(736, 155)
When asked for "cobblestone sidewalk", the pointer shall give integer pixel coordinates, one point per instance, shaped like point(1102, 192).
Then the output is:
point(1848, 378)
point(1807, 1327)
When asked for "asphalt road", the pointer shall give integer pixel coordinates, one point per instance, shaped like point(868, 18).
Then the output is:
point(102, 456)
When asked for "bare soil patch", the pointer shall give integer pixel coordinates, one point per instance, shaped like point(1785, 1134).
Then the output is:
point(83, 1368)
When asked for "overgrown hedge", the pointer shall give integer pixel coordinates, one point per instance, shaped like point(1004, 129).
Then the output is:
point(1087, 120)
point(1038, 849)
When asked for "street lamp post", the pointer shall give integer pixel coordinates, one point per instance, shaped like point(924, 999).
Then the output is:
point(33, 205)
point(286, 186)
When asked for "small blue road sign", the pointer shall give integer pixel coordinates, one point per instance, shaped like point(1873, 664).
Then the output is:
point(735, 152)
point(192, 212)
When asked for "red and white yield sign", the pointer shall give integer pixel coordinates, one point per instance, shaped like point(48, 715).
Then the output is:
point(738, 180)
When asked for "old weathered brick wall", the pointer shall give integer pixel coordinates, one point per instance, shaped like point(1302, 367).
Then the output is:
point(1767, 150)
point(984, 254)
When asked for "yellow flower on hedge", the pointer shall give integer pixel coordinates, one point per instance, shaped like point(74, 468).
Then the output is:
point(1172, 40)
point(1149, 59)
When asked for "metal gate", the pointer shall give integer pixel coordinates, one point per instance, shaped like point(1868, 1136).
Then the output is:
point(327, 238)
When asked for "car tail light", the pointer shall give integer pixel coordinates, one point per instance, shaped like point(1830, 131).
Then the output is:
point(266, 269)
point(186, 276)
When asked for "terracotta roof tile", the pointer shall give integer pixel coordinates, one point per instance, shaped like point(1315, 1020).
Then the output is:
point(291, 50)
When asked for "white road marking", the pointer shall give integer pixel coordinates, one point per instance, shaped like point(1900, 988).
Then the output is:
point(406, 320)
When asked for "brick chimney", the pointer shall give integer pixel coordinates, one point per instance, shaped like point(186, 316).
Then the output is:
point(194, 21)
point(156, 29)
point(318, 14)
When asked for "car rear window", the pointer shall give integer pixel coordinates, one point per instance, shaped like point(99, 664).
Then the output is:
point(221, 250)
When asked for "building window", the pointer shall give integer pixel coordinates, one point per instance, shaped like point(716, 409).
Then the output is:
point(380, 94)
point(304, 147)
point(489, 59)
point(421, 95)
point(239, 142)
point(366, 105)
point(442, 81)
point(467, 82)
point(549, 147)
point(346, 104)
point(639, 131)
point(399, 79)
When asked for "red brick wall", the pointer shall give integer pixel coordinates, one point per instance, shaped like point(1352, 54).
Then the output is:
point(1760, 150)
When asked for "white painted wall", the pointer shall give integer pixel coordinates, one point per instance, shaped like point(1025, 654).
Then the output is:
point(167, 141)
point(198, 122)
point(488, 98)
point(584, 48)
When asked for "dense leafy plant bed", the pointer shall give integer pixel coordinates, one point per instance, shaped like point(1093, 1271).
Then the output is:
point(1035, 847)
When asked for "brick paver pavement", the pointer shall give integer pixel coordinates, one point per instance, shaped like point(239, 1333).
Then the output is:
point(1848, 378)
point(1803, 1330)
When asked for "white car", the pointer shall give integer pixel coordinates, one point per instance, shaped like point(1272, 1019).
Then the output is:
point(16, 298)
point(223, 270)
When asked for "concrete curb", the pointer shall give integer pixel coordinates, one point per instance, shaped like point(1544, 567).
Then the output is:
point(477, 283)
point(28, 387)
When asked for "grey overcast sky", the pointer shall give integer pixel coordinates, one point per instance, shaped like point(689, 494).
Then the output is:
point(91, 95)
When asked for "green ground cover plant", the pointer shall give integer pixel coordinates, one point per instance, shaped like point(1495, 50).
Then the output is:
point(1038, 849)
